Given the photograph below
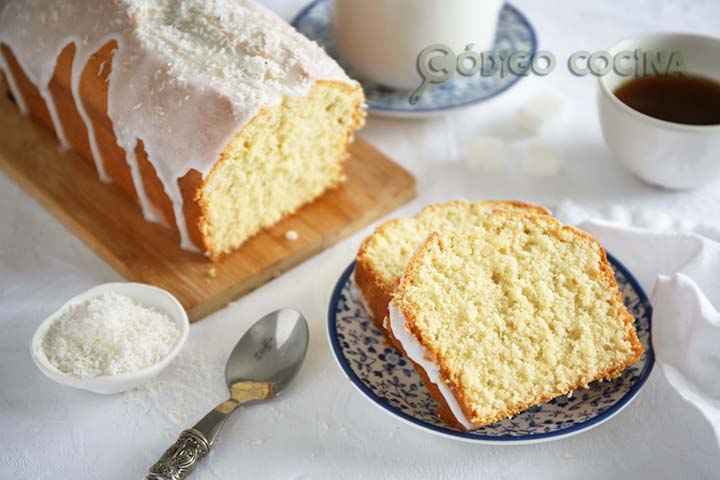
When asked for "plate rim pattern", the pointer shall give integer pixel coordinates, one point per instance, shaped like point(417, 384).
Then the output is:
point(447, 432)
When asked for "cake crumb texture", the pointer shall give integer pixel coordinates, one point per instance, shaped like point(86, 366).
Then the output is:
point(285, 158)
point(386, 253)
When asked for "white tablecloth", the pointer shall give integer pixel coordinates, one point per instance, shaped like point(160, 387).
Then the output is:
point(322, 427)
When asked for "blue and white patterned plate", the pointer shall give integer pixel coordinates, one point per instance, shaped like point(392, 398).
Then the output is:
point(514, 34)
point(389, 380)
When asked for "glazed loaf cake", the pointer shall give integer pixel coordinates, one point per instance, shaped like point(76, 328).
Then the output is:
point(216, 116)
point(384, 256)
point(500, 318)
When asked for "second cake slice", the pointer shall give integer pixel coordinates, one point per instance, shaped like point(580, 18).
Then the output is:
point(384, 255)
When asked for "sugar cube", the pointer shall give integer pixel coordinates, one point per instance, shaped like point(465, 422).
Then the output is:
point(541, 110)
point(485, 153)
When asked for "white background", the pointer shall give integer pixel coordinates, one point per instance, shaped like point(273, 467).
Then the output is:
point(322, 427)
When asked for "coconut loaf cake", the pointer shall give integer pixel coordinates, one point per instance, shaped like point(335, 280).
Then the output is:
point(386, 253)
point(216, 116)
point(500, 318)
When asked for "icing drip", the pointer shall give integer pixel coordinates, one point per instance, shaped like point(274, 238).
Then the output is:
point(14, 90)
point(417, 353)
point(185, 241)
point(82, 55)
point(187, 75)
point(148, 212)
point(42, 85)
point(52, 110)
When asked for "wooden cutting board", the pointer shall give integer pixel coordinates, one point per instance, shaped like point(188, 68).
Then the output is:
point(112, 225)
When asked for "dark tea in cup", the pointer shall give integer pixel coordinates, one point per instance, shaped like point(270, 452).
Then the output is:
point(688, 99)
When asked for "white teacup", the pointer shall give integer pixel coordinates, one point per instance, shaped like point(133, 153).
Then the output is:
point(381, 39)
point(668, 154)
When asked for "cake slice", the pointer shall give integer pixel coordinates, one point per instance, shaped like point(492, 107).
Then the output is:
point(500, 318)
point(384, 255)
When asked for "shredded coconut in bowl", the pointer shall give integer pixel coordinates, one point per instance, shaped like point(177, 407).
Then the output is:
point(108, 334)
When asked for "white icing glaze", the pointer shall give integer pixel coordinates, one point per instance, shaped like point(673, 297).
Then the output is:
point(148, 210)
point(417, 353)
point(44, 91)
point(187, 75)
point(11, 83)
point(79, 61)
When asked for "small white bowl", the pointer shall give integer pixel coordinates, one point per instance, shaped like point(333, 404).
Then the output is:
point(667, 154)
point(146, 295)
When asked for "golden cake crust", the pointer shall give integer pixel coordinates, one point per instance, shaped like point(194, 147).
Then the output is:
point(411, 314)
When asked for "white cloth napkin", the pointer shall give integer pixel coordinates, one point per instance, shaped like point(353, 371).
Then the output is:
point(680, 264)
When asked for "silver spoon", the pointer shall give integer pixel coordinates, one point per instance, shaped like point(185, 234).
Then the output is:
point(262, 363)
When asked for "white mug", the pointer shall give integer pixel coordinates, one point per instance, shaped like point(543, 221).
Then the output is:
point(667, 154)
point(381, 39)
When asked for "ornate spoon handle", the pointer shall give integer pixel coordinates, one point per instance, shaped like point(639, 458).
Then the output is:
point(181, 458)
point(193, 445)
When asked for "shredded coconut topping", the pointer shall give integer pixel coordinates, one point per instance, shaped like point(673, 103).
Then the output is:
point(108, 334)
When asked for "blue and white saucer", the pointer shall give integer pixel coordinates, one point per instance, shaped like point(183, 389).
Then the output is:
point(514, 34)
point(389, 380)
